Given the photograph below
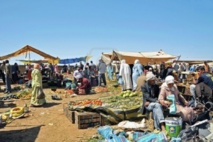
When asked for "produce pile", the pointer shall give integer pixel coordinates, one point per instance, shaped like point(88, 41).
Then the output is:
point(13, 113)
point(118, 102)
point(100, 89)
point(125, 100)
point(96, 102)
point(128, 93)
point(124, 106)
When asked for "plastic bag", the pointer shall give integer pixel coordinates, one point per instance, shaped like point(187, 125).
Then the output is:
point(151, 137)
point(105, 131)
point(115, 138)
point(41, 94)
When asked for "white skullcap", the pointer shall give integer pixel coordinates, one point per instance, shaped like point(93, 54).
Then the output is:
point(169, 79)
point(123, 61)
point(136, 61)
point(150, 76)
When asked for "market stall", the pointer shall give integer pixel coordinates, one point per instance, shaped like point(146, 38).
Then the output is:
point(143, 57)
point(27, 49)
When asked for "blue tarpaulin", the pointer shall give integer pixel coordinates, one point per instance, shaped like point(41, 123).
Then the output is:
point(72, 60)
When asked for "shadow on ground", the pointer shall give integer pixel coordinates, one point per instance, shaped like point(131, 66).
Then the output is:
point(23, 135)
point(47, 105)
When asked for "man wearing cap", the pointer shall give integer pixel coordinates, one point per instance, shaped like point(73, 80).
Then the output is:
point(84, 85)
point(150, 101)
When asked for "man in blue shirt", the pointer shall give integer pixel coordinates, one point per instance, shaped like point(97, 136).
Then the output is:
point(203, 87)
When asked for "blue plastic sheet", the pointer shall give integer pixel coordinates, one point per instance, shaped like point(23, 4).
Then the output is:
point(72, 60)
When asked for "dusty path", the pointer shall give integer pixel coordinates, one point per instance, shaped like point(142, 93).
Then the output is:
point(46, 124)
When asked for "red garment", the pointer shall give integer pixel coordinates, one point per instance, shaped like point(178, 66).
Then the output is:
point(29, 74)
point(85, 84)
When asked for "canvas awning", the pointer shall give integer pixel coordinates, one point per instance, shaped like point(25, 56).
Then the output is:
point(33, 61)
point(27, 49)
point(143, 57)
point(109, 55)
point(106, 59)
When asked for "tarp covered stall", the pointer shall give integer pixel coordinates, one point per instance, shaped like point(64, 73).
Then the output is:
point(106, 59)
point(27, 49)
point(143, 57)
point(109, 55)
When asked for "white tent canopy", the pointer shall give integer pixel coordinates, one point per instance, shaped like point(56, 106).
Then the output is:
point(143, 57)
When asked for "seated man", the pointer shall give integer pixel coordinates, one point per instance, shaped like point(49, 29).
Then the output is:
point(150, 101)
point(84, 85)
point(203, 87)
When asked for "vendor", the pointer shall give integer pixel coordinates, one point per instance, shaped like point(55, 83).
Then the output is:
point(203, 87)
point(169, 88)
point(76, 73)
point(84, 85)
point(150, 101)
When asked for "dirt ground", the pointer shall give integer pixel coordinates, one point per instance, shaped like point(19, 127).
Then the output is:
point(46, 124)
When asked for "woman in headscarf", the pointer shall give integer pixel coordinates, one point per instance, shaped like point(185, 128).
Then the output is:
point(137, 70)
point(125, 73)
point(169, 88)
point(36, 86)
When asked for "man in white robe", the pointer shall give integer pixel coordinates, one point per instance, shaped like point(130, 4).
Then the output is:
point(125, 73)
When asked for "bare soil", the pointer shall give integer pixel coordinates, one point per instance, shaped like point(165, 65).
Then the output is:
point(47, 123)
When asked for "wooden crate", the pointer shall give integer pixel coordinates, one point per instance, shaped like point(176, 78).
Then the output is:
point(69, 114)
point(104, 121)
point(87, 119)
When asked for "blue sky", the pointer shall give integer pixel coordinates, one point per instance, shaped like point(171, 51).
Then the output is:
point(74, 28)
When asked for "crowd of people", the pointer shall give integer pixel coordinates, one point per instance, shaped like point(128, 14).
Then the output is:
point(130, 74)
point(87, 75)
point(155, 97)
